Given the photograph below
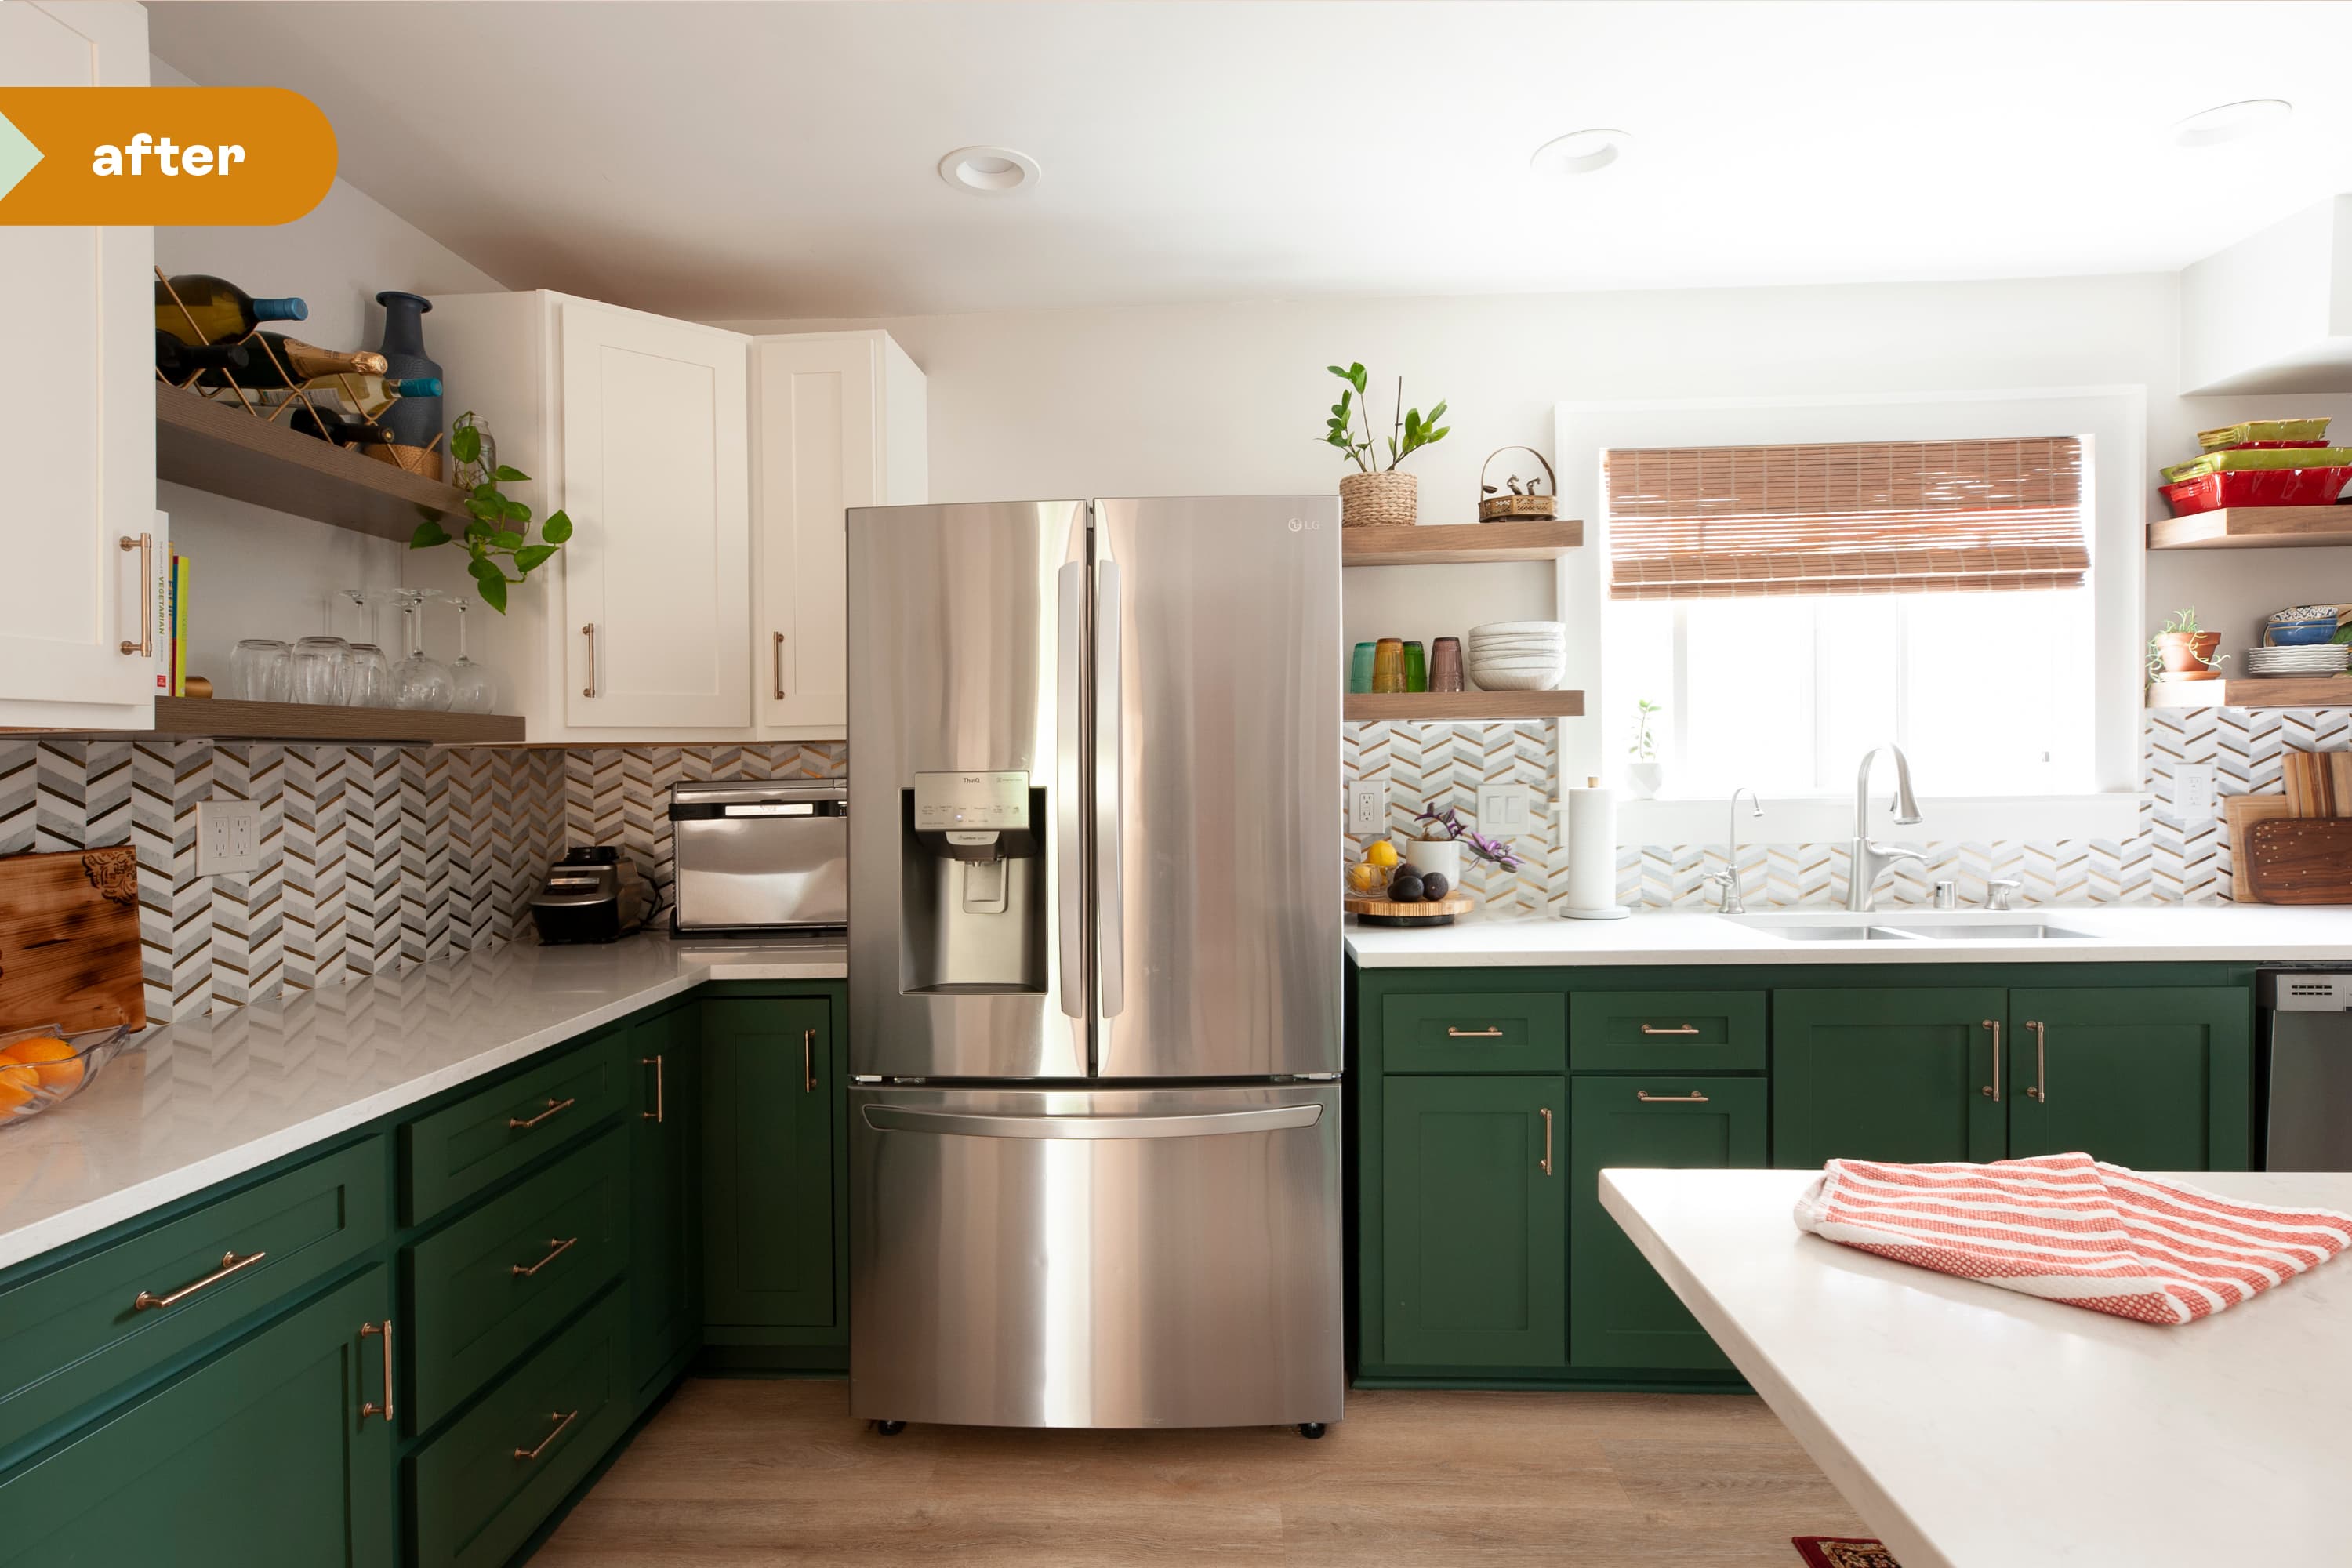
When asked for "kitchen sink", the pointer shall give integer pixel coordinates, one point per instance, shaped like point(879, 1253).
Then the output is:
point(1877, 928)
point(2021, 931)
point(1837, 933)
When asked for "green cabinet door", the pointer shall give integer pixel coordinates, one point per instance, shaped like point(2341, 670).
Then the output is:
point(1619, 1313)
point(2160, 1079)
point(1885, 1075)
point(260, 1457)
point(665, 1195)
point(768, 1162)
point(1473, 1227)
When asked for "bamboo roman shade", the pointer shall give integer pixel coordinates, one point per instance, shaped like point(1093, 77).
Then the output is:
point(1876, 517)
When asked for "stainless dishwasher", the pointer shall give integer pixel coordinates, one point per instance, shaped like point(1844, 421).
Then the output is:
point(2306, 1038)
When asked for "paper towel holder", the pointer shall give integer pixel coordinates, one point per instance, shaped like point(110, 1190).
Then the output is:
point(1606, 831)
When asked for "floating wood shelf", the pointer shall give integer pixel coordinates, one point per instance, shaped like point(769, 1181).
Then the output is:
point(1437, 707)
point(2250, 691)
point(1459, 544)
point(220, 719)
point(219, 447)
point(2254, 528)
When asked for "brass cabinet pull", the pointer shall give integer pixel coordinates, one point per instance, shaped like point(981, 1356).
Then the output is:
point(553, 1105)
point(2040, 1090)
point(1454, 1034)
point(1545, 1112)
point(655, 1062)
point(1994, 1089)
point(555, 1250)
point(562, 1421)
point(1677, 1030)
point(808, 1061)
point(372, 1407)
point(589, 631)
point(145, 544)
point(230, 1263)
point(1647, 1098)
point(777, 660)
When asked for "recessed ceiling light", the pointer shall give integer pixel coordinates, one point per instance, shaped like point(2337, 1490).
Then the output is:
point(2232, 122)
point(989, 171)
point(1581, 151)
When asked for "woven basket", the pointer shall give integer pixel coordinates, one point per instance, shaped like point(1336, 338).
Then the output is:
point(422, 461)
point(1379, 500)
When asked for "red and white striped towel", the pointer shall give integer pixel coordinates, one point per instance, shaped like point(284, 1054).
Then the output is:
point(2069, 1228)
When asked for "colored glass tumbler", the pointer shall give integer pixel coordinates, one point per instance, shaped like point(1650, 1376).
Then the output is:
point(1445, 665)
point(1387, 666)
point(1359, 668)
point(1416, 667)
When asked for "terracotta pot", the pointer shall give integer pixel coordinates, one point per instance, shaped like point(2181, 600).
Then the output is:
point(2188, 655)
point(1379, 500)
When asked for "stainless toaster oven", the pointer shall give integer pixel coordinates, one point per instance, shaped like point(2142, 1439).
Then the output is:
point(760, 856)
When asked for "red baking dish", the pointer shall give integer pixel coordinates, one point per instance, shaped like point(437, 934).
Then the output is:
point(2259, 487)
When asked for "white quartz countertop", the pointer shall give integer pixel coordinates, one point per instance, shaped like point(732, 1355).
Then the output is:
point(1975, 1427)
point(208, 1099)
point(2112, 933)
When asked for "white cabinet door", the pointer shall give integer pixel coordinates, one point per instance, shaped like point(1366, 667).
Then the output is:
point(820, 451)
point(77, 418)
point(656, 580)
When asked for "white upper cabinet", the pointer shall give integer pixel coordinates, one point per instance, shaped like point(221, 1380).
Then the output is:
point(840, 422)
point(78, 421)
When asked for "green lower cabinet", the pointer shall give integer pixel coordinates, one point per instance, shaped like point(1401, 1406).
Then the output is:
point(1474, 1231)
point(769, 1229)
point(664, 1197)
point(1620, 1315)
point(2159, 1079)
point(1886, 1075)
point(260, 1457)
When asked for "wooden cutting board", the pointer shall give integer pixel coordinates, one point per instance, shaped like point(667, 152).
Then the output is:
point(2242, 812)
point(2301, 860)
point(69, 940)
point(2309, 778)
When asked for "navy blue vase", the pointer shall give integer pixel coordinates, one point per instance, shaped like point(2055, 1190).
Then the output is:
point(413, 421)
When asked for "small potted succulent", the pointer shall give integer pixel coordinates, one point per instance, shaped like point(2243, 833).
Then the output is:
point(1375, 496)
point(2183, 651)
point(1644, 775)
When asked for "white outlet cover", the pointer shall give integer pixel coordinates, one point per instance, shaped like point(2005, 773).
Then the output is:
point(2193, 791)
point(228, 837)
point(1368, 807)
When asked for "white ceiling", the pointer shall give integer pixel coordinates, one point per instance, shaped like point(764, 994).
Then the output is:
point(747, 161)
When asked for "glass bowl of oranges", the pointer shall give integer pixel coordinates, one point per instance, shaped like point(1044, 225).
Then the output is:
point(44, 1066)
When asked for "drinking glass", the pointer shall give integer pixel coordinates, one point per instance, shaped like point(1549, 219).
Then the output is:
point(1359, 668)
point(419, 681)
point(1445, 665)
point(474, 689)
point(260, 669)
point(1416, 667)
point(1387, 664)
point(370, 676)
point(322, 670)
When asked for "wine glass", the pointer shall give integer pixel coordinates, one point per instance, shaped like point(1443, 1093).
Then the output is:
point(371, 685)
point(419, 681)
point(475, 691)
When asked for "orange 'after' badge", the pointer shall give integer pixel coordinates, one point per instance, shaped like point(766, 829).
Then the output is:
point(143, 155)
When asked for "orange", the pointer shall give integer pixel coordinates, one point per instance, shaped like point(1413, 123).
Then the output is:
point(17, 1084)
point(58, 1067)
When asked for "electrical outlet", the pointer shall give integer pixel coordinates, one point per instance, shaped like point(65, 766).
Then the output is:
point(1504, 809)
point(2193, 793)
point(1368, 807)
point(228, 836)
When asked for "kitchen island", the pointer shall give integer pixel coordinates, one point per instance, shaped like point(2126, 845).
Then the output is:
point(1976, 1428)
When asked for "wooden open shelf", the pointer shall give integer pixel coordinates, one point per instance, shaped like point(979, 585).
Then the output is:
point(2254, 528)
point(1459, 544)
point(2250, 691)
point(220, 718)
point(219, 447)
point(1440, 706)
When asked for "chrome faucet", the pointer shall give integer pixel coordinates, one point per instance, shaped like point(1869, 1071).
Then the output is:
point(1866, 860)
point(1735, 902)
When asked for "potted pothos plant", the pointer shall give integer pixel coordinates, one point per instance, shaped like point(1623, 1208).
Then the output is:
point(1377, 495)
point(498, 534)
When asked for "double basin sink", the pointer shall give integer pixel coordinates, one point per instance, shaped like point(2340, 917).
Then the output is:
point(1896, 926)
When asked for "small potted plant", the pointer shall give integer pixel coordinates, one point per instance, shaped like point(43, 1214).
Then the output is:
point(1440, 848)
point(1644, 775)
point(1375, 496)
point(2183, 651)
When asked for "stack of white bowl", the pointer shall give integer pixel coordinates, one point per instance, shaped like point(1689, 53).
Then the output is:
point(1516, 655)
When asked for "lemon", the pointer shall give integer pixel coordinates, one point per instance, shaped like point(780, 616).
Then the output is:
point(1364, 876)
point(52, 1060)
point(1380, 852)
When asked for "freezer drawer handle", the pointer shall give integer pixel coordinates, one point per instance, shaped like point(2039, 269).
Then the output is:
point(1203, 1124)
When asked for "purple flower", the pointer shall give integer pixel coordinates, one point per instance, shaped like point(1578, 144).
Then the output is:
point(1479, 845)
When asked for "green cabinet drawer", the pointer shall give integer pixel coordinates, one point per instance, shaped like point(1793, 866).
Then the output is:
point(480, 1488)
point(484, 1290)
point(1666, 1031)
point(263, 1454)
point(455, 1152)
point(74, 1333)
point(1513, 1032)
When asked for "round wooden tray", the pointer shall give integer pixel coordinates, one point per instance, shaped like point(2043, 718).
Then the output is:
point(1427, 912)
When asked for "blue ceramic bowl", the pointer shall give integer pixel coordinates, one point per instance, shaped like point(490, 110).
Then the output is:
point(2303, 625)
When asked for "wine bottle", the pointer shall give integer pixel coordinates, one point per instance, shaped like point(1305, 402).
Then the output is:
point(209, 310)
point(371, 394)
point(321, 417)
point(178, 362)
point(290, 361)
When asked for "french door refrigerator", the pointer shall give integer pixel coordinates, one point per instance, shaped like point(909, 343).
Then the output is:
point(1095, 963)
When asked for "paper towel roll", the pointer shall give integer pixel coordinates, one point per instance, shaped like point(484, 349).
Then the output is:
point(1590, 834)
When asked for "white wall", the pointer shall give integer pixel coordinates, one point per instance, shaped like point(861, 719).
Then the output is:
point(262, 573)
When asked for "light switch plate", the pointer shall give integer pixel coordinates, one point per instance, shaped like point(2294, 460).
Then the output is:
point(1367, 806)
point(228, 836)
point(1504, 809)
point(2192, 791)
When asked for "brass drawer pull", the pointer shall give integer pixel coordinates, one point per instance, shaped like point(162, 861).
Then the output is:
point(372, 1407)
point(655, 1115)
point(1545, 1112)
point(230, 1263)
point(1647, 1098)
point(589, 631)
point(808, 1061)
point(779, 663)
point(2040, 1090)
point(1677, 1030)
point(1454, 1034)
point(553, 1105)
point(1993, 1090)
point(562, 1421)
point(555, 1250)
point(145, 544)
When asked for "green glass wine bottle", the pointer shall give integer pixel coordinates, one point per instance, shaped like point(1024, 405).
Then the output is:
point(290, 361)
point(198, 309)
point(179, 363)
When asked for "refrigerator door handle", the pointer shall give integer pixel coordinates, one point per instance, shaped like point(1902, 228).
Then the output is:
point(1068, 795)
point(1200, 1124)
point(1110, 932)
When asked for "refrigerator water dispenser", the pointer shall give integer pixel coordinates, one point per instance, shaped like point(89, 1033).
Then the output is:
point(973, 902)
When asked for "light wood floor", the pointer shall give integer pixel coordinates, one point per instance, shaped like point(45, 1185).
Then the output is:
point(741, 1472)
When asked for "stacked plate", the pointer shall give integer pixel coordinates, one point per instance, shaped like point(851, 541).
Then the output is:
point(1517, 655)
point(2316, 658)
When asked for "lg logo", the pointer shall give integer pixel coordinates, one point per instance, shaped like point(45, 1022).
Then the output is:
point(1301, 524)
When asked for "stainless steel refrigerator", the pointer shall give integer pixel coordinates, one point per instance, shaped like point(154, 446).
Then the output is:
point(1095, 963)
